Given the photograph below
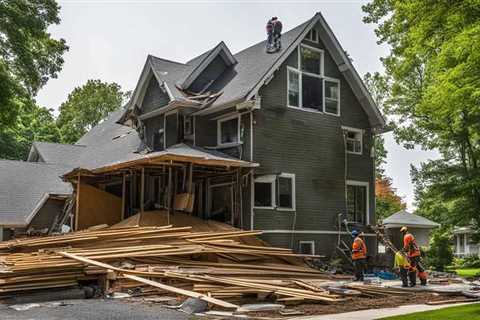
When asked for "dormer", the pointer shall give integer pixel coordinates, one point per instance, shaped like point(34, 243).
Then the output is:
point(208, 69)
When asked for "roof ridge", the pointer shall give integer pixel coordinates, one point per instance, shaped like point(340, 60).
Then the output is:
point(32, 162)
point(61, 144)
point(166, 60)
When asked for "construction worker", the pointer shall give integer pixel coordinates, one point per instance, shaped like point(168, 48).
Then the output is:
point(412, 250)
point(402, 265)
point(274, 32)
point(359, 255)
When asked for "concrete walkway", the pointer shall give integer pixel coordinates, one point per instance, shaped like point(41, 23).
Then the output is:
point(380, 313)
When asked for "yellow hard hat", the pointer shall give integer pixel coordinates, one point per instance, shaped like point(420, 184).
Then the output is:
point(403, 229)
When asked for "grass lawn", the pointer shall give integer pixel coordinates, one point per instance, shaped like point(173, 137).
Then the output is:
point(468, 272)
point(468, 312)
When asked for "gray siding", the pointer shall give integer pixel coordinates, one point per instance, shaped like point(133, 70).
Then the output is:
point(171, 129)
point(209, 75)
point(310, 145)
point(155, 97)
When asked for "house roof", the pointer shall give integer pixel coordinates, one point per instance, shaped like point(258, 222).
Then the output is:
point(180, 152)
point(65, 154)
point(27, 185)
point(254, 66)
point(405, 218)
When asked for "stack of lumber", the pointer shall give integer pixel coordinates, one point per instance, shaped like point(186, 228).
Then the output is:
point(210, 265)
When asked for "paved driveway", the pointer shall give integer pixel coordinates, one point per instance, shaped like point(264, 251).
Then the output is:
point(93, 309)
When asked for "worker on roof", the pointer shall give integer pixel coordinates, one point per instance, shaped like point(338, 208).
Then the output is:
point(359, 255)
point(412, 250)
point(402, 266)
point(274, 33)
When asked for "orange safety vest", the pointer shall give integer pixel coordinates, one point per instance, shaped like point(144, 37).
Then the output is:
point(359, 249)
point(410, 246)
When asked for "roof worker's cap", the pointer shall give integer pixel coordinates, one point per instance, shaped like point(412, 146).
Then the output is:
point(403, 229)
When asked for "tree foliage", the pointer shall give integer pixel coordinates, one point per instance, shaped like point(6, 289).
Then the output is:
point(86, 106)
point(387, 202)
point(440, 253)
point(434, 69)
point(28, 54)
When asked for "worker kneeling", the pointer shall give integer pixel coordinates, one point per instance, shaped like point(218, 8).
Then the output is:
point(359, 255)
point(402, 265)
point(412, 250)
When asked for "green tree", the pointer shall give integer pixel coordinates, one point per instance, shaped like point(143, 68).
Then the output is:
point(379, 88)
point(29, 56)
point(32, 123)
point(86, 106)
point(434, 67)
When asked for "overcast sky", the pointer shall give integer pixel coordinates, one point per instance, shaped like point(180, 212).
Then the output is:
point(110, 40)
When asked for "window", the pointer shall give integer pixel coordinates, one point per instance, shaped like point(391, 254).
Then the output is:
point(311, 60)
point(332, 96)
point(312, 35)
point(308, 88)
point(293, 88)
point(187, 125)
point(286, 191)
point(275, 192)
point(357, 202)
point(228, 131)
point(353, 140)
point(264, 193)
point(158, 140)
point(306, 247)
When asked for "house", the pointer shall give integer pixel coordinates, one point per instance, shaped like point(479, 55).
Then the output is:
point(419, 226)
point(279, 142)
point(464, 243)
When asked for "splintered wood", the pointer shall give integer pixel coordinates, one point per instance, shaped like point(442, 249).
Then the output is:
point(211, 265)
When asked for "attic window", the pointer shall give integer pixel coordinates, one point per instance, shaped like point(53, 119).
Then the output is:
point(312, 35)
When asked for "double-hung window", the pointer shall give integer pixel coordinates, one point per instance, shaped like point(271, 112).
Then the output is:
point(357, 202)
point(308, 88)
point(275, 192)
point(228, 131)
point(353, 140)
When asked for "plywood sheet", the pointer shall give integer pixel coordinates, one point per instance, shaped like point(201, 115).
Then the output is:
point(96, 207)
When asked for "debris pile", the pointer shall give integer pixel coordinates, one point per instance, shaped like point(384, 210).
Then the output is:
point(208, 265)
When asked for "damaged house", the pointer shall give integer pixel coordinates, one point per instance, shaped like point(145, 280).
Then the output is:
point(279, 142)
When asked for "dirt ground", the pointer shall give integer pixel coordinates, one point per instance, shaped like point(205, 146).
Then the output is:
point(363, 303)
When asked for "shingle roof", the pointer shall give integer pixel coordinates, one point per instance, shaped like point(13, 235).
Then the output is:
point(405, 218)
point(66, 154)
point(25, 184)
point(237, 81)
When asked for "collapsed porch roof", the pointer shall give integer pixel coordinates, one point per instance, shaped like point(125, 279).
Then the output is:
point(177, 153)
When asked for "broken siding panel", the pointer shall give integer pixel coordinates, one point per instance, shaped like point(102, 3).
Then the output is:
point(155, 97)
point(46, 215)
point(152, 126)
point(209, 75)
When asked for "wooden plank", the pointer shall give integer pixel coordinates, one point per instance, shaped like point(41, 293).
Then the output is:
point(184, 292)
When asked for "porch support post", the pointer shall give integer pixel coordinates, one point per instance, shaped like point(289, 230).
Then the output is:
point(240, 196)
point(142, 190)
point(123, 194)
point(169, 193)
point(77, 202)
point(465, 244)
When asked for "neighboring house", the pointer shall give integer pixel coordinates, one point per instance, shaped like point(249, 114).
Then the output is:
point(463, 242)
point(419, 226)
point(298, 126)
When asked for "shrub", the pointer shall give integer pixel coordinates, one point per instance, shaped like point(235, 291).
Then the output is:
point(440, 252)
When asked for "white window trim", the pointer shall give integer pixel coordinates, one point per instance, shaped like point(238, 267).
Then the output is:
point(325, 98)
point(310, 39)
point(266, 179)
point(307, 242)
point(322, 76)
point(356, 130)
point(219, 131)
point(290, 176)
point(367, 185)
